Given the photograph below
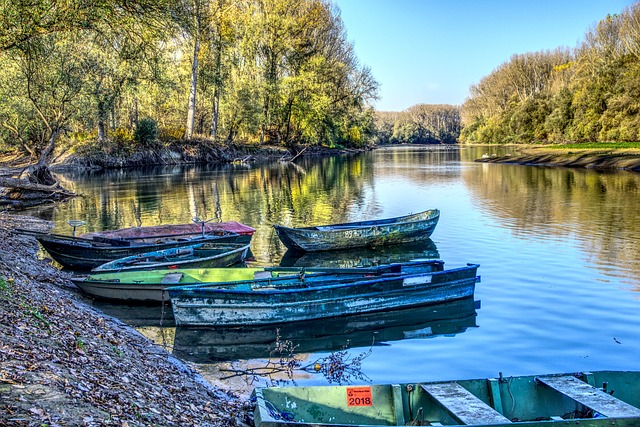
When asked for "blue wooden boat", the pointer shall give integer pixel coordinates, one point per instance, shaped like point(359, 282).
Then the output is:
point(381, 232)
point(260, 303)
point(207, 344)
point(141, 286)
point(583, 399)
point(201, 255)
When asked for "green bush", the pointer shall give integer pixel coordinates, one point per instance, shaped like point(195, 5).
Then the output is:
point(146, 131)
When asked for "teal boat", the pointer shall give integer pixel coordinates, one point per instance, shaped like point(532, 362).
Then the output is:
point(585, 399)
point(361, 234)
point(294, 300)
point(205, 345)
point(149, 286)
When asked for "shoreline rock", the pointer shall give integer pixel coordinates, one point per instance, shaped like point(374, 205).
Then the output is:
point(62, 362)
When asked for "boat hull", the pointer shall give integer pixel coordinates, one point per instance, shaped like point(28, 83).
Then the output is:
point(410, 228)
point(206, 344)
point(587, 399)
point(213, 306)
point(203, 255)
point(148, 286)
point(85, 254)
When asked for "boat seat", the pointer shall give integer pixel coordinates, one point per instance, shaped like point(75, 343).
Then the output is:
point(262, 275)
point(171, 278)
point(462, 405)
point(591, 397)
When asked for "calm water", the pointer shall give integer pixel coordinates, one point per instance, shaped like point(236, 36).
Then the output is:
point(559, 251)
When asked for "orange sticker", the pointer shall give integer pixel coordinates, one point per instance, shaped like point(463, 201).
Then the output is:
point(359, 396)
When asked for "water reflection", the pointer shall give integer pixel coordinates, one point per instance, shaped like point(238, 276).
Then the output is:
point(598, 209)
point(363, 257)
point(206, 345)
point(543, 236)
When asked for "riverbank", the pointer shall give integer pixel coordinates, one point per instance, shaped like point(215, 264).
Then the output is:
point(64, 363)
point(616, 159)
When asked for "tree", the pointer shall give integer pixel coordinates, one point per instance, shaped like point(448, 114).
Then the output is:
point(53, 78)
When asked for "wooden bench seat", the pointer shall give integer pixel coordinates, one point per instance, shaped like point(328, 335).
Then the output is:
point(462, 405)
point(591, 397)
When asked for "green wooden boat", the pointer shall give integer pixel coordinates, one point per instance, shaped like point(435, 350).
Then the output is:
point(585, 399)
point(374, 233)
point(149, 286)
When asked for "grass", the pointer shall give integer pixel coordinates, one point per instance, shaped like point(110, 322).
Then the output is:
point(597, 146)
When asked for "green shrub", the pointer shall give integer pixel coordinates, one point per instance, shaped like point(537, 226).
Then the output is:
point(146, 131)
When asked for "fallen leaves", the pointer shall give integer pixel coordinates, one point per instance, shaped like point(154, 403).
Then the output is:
point(89, 368)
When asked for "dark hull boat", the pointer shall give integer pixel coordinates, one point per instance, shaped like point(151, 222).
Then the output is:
point(91, 250)
point(404, 229)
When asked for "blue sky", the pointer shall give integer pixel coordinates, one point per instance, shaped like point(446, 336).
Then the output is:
point(432, 51)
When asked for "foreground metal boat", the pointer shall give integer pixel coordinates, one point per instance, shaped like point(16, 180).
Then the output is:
point(404, 229)
point(91, 250)
point(260, 303)
point(585, 399)
point(148, 286)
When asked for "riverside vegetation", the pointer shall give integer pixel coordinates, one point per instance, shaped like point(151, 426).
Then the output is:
point(139, 82)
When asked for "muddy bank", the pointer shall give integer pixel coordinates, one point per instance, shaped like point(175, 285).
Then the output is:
point(63, 363)
point(611, 160)
point(190, 152)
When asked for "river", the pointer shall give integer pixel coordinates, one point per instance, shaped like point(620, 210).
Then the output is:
point(558, 248)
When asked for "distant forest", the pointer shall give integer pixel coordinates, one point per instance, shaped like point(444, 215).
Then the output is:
point(420, 124)
point(587, 94)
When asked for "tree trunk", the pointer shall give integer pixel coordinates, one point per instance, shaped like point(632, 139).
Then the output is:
point(192, 90)
point(214, 120)
point(39, 173)
point(102, 132)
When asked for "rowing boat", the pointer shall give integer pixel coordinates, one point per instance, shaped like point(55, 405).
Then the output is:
point(260, 303)
point(91, 250)
point(584, 399)
point(207, 345)
point(381, 232)
point(148, 286)
point(202, 255)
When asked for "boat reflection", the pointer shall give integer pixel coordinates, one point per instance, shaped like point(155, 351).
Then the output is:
point(362, 257)
point(207, 345)
point(138, 315)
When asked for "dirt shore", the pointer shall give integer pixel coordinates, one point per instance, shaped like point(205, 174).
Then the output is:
point(574, 158)
point(63, 363)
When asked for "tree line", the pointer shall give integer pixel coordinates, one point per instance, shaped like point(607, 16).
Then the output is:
point(125, 73)
point(589, 93)
point(420, 124)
